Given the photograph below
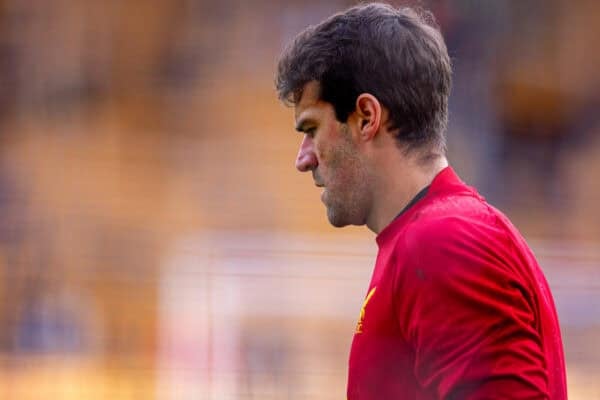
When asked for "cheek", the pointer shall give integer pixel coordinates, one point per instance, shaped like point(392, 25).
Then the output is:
point(330, 165)
point(343, 171)
point(329, 161)
point(321, 155)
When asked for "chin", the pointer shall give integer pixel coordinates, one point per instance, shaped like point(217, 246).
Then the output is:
point(335, 220)
point(340, 220)
point(338, 224)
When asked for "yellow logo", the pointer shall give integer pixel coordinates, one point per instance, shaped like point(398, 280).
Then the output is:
point(361, 318)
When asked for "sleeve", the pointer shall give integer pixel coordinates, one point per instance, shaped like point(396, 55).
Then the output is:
point(469, 319)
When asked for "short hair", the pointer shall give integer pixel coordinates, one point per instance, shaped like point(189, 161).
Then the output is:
point(397, 55)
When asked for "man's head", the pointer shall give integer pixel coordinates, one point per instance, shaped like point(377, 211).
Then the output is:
point(370, 69)
point(393, 54)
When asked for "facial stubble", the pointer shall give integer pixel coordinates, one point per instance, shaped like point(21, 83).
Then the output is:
point(347, 195)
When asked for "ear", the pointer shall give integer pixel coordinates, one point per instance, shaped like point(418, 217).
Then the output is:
point(368, 115)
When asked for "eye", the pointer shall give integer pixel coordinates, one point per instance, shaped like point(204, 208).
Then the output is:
point(310, 132)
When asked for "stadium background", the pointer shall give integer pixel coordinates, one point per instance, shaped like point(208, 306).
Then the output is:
point(156, 241)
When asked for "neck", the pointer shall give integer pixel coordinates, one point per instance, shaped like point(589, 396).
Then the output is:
point(403, 180)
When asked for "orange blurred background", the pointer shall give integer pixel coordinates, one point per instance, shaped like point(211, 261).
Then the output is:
point(157, 242)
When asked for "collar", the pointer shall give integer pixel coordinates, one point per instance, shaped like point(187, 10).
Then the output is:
point(446, 181)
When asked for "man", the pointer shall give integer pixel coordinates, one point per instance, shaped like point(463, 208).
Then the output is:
point(457, 307)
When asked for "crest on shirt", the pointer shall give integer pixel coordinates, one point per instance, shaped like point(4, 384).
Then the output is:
point(361, 317)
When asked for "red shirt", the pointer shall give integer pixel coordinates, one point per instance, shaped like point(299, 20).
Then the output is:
point(457, 308)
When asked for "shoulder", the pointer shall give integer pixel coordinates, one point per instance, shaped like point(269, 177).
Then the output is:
point(452, 220)
point(455, 236)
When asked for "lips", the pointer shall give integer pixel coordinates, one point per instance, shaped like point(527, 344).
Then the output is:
point(317, 179)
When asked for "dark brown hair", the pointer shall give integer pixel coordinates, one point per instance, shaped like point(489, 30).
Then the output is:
point(397, 55)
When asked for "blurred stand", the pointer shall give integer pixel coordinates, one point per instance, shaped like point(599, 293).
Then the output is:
point(156, 241)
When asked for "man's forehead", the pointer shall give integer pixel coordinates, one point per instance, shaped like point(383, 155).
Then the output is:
point(310, 97)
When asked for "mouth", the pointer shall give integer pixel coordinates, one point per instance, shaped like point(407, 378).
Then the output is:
point(317, 179)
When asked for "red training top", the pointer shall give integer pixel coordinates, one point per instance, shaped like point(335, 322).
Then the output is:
point(457, 308)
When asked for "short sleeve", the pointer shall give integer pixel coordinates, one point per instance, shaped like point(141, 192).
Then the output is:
point(469, 318)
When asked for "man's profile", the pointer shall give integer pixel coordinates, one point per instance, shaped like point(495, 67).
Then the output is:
point(457, 306)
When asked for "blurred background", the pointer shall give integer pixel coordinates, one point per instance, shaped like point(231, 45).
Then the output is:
point(156, 241)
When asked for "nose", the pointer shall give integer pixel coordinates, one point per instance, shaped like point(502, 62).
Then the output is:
point(306, 159)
